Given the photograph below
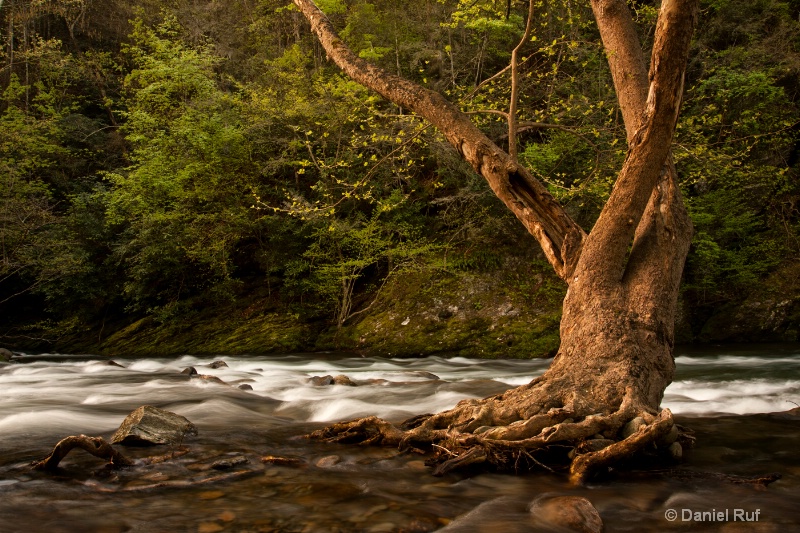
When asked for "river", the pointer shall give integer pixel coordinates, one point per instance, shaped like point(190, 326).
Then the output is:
point(724, 393)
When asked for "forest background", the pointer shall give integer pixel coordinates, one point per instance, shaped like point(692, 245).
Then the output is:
point(193, 176)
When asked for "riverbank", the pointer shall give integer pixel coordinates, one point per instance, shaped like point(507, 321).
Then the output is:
point(508, 312)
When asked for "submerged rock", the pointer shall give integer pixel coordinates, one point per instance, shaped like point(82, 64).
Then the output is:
point(426, 375)
point(282, 461)
point(568, 513)
point(791, 414)
point(328, 461)
point(151, 425)
point(245, 386)
point(224, 464)
point(217, 364)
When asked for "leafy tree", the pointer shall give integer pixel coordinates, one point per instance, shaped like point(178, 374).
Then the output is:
point(615, 358)
point(183, 204)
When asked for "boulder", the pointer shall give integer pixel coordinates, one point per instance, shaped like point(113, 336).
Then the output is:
point(566, 513)
point(189, 371)
point(6, 354)
point(210, 379)
point(341, 379)
point(150, 425)
point(217, 364)
point(321, 381)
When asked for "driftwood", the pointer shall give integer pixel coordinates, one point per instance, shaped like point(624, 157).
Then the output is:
point(96, 446)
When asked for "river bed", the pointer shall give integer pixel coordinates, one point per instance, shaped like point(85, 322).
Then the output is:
point(724, 393)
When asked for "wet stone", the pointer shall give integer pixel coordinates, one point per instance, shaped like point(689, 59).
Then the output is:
point(341, 379)
point(384, 527)
point(245, 386)
point(632, 427)
point(282, 461)
point(321, 381)
point(217, 364)
point(224, 464)
point(670, 437)
point(570, 513)
point(209, 527)
point(155, 476)
point(675, 450)
point(151, 425)
point(189, 371)
point(328, 461)
point(210, 379)
point(6, 354)
point(594, 445)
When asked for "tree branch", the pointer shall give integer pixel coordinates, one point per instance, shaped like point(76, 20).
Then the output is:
point(558, 234)
point(514, 99)
point(606, 251)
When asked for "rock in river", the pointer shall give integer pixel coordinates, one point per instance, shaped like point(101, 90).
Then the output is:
point(567, 513)
point(6, 354)
point(322, 381)
point(151, 425)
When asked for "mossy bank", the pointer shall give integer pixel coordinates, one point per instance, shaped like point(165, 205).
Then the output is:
point(512, 311)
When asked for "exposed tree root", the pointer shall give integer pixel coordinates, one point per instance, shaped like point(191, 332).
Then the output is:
point(99, 447)
point(96, 446)
point(527, 427)
point(586, 464)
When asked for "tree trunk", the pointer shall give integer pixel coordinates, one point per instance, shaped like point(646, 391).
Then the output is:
point(601, 395)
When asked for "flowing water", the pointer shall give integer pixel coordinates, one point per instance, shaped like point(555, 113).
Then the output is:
point(723, 393)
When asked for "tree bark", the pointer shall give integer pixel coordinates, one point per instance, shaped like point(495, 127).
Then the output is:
point(615, 357)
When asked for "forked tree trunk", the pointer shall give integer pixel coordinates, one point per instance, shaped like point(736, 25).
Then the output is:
point(615, 358)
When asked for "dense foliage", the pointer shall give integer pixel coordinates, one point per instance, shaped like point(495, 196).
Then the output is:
point(162, 157)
